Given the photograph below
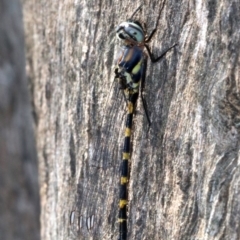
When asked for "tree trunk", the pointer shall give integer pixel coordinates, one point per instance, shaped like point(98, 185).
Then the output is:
point(19, 192)
point(184, 180)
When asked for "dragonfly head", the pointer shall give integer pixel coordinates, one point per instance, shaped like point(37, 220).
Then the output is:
point(130, 30)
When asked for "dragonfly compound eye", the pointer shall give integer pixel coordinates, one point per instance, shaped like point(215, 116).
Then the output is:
point(130, 30)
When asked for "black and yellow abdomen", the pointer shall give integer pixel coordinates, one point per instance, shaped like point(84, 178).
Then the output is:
point(129, 74)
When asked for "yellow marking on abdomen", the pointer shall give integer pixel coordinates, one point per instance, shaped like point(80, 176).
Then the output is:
point(123, 180)
point(122, 203)
point(121, 220)
point(127, 132)
point(130, 107)
point(126, 155)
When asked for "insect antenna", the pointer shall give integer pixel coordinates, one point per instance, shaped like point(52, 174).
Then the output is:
point(136, 11)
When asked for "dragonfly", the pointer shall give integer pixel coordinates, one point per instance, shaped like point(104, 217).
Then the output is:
point(130, 74)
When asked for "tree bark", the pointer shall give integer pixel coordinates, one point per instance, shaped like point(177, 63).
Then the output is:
point(184, 180)
point(19, 192)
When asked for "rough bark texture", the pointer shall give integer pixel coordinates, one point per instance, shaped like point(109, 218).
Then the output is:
point(19, 192)
point(184, 181)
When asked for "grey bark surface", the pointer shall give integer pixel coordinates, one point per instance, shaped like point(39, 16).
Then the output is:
point(184, 181)
point(19, 191)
